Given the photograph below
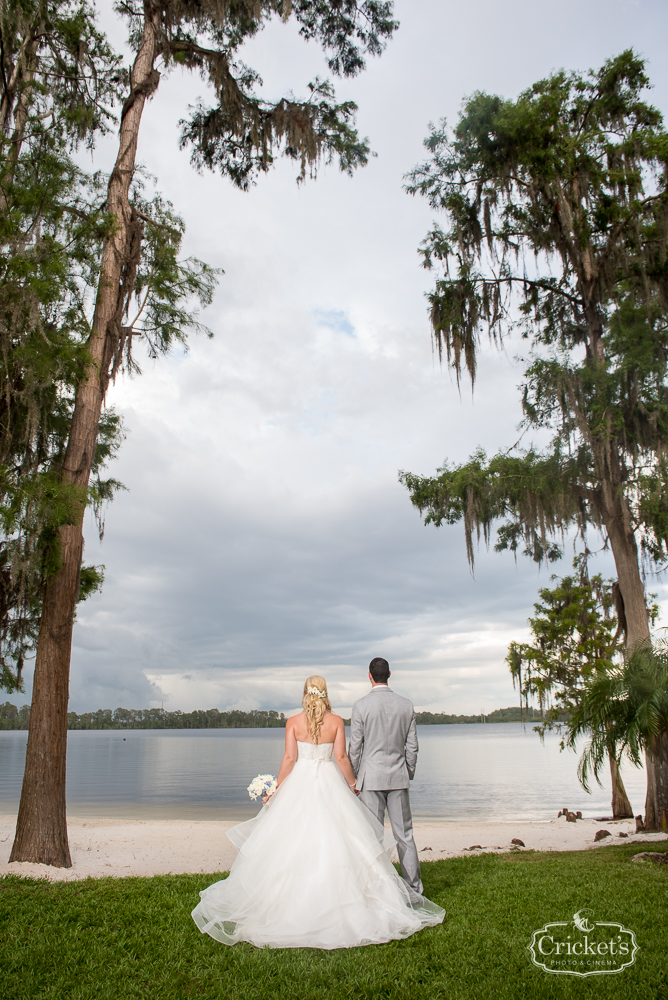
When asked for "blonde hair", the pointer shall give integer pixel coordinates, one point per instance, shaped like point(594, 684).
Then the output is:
point(316, 704)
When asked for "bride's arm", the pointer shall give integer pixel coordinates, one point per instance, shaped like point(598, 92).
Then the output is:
point(341, 755)
point(290, 755)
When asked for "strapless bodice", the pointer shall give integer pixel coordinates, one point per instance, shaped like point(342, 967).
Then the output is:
point(314, 751)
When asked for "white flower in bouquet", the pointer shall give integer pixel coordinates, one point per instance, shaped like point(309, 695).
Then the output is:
point(264, 784)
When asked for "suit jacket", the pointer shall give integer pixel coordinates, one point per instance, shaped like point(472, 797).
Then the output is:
point(383, 745)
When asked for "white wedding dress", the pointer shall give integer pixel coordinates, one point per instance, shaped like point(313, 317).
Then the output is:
point(312, 871)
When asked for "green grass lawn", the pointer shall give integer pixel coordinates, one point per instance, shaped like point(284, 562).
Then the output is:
point(120, 939)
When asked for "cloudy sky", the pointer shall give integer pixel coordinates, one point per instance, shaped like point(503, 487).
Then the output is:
point(264, 535)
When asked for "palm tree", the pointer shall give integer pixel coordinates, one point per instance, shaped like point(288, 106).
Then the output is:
point(626, 707)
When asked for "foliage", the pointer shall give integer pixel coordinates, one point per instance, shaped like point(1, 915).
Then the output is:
point(134, 937)
point(158, 303)
point(58, 80)
point(532, 489)
point(12, 717)
point(626, 706)
point(574, 634)
point(35, 502)
point(311, 129)
point(241, 134)
point(558, 198)
point(91, 580)
point(511, 714)
point(557, 205)
point(346, 29)
point(53, 223)
point(57, 72)
point(158, 718)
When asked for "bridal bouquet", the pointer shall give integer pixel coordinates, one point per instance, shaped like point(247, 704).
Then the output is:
point(264, 784)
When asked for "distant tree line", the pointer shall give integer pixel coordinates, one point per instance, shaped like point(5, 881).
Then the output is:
point(514, 714)
point(12, 717)
point(158, 718)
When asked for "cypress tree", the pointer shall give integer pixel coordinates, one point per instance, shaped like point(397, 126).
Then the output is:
point(557, 205)
point(239, 136)
point(58, 79)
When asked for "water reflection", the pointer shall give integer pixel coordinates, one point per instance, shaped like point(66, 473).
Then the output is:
point(477, 772)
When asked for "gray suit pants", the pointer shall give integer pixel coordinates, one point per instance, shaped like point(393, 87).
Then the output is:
point(399, 810)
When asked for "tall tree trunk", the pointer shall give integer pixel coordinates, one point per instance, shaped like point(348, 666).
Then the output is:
point(621, 807)
point(651, 811)
point(41, 830)
point(657, 784)
point(617, 519)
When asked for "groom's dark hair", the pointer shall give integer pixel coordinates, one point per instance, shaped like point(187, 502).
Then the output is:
point(379, 670)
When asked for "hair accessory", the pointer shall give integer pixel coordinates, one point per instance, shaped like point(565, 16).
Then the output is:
point(317, 692)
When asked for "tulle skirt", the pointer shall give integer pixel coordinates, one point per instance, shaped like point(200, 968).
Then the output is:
point(312, 871)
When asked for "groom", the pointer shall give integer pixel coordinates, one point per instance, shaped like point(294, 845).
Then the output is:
point(383, 752)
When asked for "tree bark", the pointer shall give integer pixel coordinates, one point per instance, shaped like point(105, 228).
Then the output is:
point(625, 552)
point(651, 821)
point(41, 831)
point(656, 806)
point(617, 520)
point(621, 807)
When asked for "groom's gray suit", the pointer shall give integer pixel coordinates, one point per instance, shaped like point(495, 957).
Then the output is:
point(383, 753)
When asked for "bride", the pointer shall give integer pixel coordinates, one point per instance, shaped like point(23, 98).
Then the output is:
point(312, 870)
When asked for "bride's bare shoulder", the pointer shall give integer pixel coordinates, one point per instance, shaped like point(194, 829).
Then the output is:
point(296, 725)
point(332, 723)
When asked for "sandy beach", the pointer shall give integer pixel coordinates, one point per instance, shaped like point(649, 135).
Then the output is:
point(119, 847)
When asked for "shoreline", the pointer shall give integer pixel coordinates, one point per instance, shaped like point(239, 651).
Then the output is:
point(103, 847)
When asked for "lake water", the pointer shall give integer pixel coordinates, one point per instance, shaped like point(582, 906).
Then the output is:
point(469, 772)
